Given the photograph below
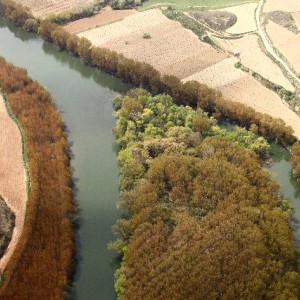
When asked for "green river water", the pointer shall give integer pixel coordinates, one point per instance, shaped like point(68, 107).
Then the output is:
point(84, 99)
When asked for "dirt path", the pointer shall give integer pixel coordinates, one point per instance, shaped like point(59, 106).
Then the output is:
point(267, 44)
point(12, 176)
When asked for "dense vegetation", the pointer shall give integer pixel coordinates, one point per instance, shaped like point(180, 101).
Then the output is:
point(7, 224)
point(203, 219)
point(295, 152)
point(144, 75)
point(177, 218)
point(42, 262)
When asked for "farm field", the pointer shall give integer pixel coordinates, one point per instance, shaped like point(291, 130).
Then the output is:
point(255, 59)
point(284, 5)
point(171, 49)
point(12, 176)
point(177, 51)
point(42, 9)
point(219, 74)
point(106, 15)
point(245, 18)
point(191, 3)
point(287, 42)
point(296, 16)
point(250, 92)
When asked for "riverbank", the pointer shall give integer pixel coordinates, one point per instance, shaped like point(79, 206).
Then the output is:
point(13, 187)
point(84, 101)
point(45, 248)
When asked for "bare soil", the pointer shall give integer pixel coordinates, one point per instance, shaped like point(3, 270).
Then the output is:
point(43, 8)
point(12, 177)
point(284, 19)
point(216, 20)
point(287, 42)
point(284, 5)
point(245, 14)
point(250, 92)
point(171, 48)
point(105, 16)
point(252, 57)
point(296, 16)
point(219, 74)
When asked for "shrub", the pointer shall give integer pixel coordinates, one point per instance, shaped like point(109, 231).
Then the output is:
point(146, 35)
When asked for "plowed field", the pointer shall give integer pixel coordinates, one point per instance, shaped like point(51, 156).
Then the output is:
point(105, 16)
point(172, 49)
point(43, 8)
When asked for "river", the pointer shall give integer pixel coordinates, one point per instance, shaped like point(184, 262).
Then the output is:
point(84, 99)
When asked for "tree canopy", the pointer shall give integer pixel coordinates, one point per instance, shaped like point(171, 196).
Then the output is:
point(203, 219)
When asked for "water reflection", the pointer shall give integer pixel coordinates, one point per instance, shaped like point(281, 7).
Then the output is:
point(290, 189)
point(84, 97)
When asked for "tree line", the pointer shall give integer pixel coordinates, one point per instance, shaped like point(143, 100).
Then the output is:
point(41, 264)
point(203, 220)
point(295, 160)
point(146, 76)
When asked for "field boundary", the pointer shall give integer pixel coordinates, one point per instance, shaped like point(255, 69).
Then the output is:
point(197, 7)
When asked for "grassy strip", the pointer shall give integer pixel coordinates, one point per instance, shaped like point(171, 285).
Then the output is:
point(193, 4)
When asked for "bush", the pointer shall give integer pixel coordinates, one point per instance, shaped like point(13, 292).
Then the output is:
point(146, 35)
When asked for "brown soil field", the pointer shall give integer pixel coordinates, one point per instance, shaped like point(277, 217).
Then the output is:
point(250, 92)
point(44, 8)
point(171, 49)
point(254, 58)
point(219, 74)
point(106, 15)
point(286, 42)
point(285, 5)
point(245, 18)
point(12, 176)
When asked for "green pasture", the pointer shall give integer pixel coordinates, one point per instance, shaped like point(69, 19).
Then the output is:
point(184, 4)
